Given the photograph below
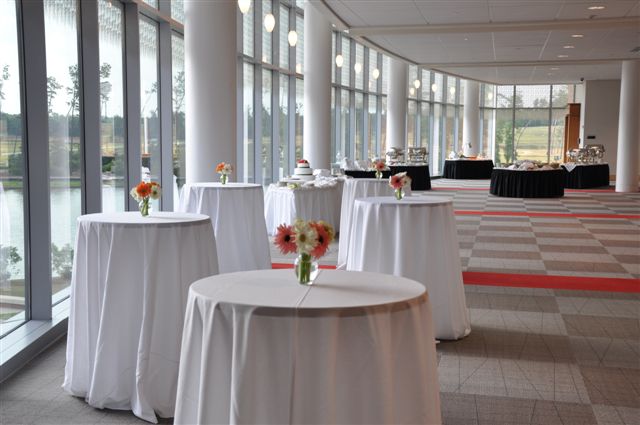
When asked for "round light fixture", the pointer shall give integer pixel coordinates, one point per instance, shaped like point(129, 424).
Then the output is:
point(452, 90)
point(577, 35)
point(244, 6)
point(412, 91)
point(357, 67)
point(563, 56)
point(489, 96)
point(568, 46)
point(375, 73)
point(269, 22)
point(293, 38)
point(434, 87)
point(416, 84)
point(339, 61)
point(595, 7)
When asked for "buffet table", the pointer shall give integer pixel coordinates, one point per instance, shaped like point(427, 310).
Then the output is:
point(353, 348)
point(353, 189)
point(420, 178)
point(284, 205)
point(467, 169)
point(414, 238)
point(527, 184)
point(236, 211)
point(129, 288)
point(586, 176)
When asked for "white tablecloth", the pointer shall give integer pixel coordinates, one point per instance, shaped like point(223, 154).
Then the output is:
point(415, 238)
point(236, 211)
point(354, 189)
point(259, 348)
point(284, 205)
point(129, 290)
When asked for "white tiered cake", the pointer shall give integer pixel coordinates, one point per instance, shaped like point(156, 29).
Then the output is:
point(303, 171)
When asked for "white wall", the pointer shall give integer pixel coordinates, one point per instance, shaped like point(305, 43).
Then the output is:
point(599, 113)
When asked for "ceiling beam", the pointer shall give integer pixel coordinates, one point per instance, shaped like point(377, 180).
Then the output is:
point(498, 64)
point(556, 25)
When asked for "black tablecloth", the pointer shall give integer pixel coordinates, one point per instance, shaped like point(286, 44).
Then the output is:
point(527, 184)
point(467, 169)
point(420, 179)
point(588, 176)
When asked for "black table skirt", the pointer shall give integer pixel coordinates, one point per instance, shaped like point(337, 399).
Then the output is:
point(528, 184)
point(467, 169)
point(588, 176)
point(420, 178)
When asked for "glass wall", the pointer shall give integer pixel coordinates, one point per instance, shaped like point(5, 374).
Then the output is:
point(177, 97)
point(13, 285)
point(112, 125)
point(63, 100)
point(525, 122)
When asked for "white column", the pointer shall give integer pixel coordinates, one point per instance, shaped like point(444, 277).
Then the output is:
point(397, 104)
point(316, 144)
point(629, 128)
point(210, 74)
point(471, 123)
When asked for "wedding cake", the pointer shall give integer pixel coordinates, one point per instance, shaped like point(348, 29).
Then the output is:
point(303, 171)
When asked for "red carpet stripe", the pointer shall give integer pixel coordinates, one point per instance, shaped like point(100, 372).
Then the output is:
point(547, 214)
point(535, 281)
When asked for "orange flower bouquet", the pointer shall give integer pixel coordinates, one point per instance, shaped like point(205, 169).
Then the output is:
point(143, 192)
point(398, 182)
point(309, 239)
point(379, 165)
point(224, 170)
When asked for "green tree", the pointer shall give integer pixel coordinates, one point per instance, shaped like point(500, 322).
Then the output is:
point(9, 257)
point(105, 86)
point(52, 91)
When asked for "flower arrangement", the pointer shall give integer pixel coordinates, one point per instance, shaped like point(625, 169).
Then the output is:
point(309, 239)
point(398, 182)
point(379, 165)
point(143, 192)
point(224, 170)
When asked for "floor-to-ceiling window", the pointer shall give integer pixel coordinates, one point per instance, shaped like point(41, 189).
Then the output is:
point(525, 121)
point(272, 71)
point(178, 113)
point(112, 137)
point(13, 285)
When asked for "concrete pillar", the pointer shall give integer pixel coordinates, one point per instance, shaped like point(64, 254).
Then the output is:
point(316, 144)
point(397, 104)
point(629, 128)
point(211, 89)
point(471, 123)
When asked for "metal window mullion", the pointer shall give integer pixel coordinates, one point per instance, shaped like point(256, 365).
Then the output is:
point(275, 125)
point(513, 126)
point(36, 161)
point(132, 100)
point(293, 84)
point(352, 100)
point(166, 116)
point(240, 171)
point(549, 126)
point(89, 83)
point(365, 103)
point(257, 91)
point(378, 145)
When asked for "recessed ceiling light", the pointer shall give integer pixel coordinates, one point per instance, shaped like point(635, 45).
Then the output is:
point(568, 46)
point(563, 56)
point(554, 69)
point(577, 35)
point(595, 7)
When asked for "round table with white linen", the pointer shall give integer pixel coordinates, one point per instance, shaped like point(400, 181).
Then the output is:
point(354, 189)
point(258, 347)
point(414, 238)
point(236, 211)
point(284, 205)
point(129, 288)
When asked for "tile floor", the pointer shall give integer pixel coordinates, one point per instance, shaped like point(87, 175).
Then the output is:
point(535, 356)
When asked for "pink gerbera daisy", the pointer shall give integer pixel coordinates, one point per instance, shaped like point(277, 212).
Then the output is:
point(285, 239)
point(396, 181)
point(322, 241)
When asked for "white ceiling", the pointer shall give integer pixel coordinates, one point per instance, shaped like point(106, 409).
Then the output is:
point(436, 34)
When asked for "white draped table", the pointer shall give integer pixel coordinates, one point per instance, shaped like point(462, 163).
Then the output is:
point(284, 205)
point(259, 348)
point(236, 211)
point(354, 189)
point(129, 289)
point(415, 238)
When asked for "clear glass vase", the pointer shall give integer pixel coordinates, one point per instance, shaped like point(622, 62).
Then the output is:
point(399, 194)
point(223, 178)
point(144, 207)
point(306, 269)
point(378, 174)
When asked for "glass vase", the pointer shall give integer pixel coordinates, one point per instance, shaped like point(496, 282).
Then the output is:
point(306, 269)
point(399, 194)
point(223, 178)
point(144, 207)
point(378, 174)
